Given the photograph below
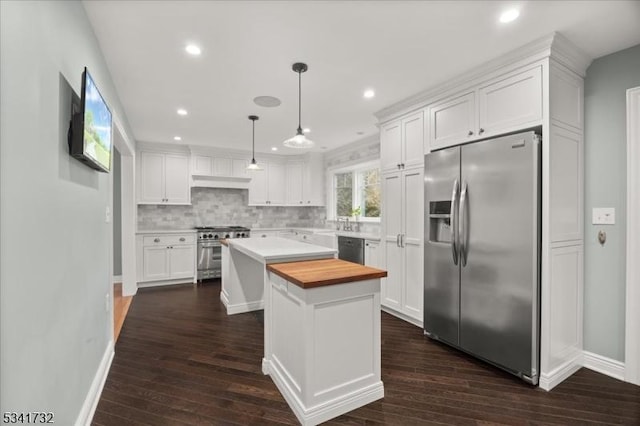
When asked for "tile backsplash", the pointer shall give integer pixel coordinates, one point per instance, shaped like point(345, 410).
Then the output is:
point(222, 206)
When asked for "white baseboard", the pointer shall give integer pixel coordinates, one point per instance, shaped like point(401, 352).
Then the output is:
point(402, 316)
point(95, 390)
point(240, 308)
point(116, 279)
point(604, 365)
point(550, 380)
point(308, 416)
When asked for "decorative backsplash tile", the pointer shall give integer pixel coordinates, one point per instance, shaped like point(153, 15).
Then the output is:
point(221, 206)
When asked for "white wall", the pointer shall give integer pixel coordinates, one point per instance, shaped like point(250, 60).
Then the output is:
point(55, 246)
point(606, 83)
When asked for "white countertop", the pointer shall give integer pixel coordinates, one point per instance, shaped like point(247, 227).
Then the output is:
point(166, 231)
point(276, 249)
point(324, 231)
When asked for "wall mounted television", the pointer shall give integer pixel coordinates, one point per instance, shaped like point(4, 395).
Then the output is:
point(90, 130)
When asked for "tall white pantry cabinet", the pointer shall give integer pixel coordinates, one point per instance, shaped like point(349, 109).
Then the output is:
point(539, 85)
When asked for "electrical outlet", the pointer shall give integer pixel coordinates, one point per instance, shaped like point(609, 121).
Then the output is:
point(603, 216)
point(106, 302)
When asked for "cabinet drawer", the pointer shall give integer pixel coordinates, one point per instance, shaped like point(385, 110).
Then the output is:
point(168, 239)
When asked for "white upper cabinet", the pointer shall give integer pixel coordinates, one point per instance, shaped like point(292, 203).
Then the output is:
point(391, 146)
point(510, 103)
point(239, 168)
point(501, 105)
point(305, 181)
point(294, 183)
point(268, 186)
point(402, 143)
point(201, 165)
point(164, 179)
point(452, 121)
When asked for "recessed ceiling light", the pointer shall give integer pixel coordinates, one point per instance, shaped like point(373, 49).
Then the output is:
point(192, 49)
point(306, 130)
point(182, 111)
point(369, 93)
point(177, 138)
point(267, 101)
point(509, 15)
point(360, 133)
point(274, 148)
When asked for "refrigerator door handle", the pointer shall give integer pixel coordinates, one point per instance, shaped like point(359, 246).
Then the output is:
point(464, 229)
point(398, 240)
point(454, 221)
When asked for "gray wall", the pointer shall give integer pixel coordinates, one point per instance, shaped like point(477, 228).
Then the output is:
point(220, 206)
point(55, 245)
point(117, 214)
point(606, 83)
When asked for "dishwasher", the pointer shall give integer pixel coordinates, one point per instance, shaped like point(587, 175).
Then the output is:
point(351, 249)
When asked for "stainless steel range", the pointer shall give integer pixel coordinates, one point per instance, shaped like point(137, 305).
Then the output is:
point(209, 248)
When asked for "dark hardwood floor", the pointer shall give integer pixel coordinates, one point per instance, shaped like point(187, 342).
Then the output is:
point(180, 360)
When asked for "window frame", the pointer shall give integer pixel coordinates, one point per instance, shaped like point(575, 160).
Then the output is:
point(353, 168)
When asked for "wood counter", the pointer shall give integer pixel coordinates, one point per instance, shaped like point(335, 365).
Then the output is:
point(323, 272)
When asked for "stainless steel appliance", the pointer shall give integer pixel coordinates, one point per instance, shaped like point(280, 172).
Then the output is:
point(481, 250)
point(209, 248)
point(351, 249)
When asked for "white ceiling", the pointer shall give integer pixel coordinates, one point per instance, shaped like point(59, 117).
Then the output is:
point(398, 48)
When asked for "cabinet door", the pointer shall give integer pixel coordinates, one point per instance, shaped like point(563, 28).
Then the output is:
point(258, 185)
point(294, 184)
point(413, 140)
point(201, 165)
point(176, 176)
point(155, 261)
point(511, 103)
point(239, 168)
point(222, 167)
point(151, 178)
point(277, 184)
point(181, 261)
point(392, 228)
point(412, 211)
point(313, 180)
point(391, 146)
point(372, 254)
point(452, 121)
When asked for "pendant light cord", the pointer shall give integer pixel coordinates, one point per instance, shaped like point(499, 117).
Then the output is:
point(253, 140)
point(299, 102)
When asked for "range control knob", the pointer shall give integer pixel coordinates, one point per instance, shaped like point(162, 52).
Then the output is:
point(227, 236)
point(211, 236)
point(215, 236)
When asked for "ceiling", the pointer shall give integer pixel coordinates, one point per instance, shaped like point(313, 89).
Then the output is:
point(398, 48)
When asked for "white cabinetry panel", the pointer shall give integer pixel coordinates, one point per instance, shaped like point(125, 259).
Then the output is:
point(566, 104)
point(182, 263)
point(277, 184)
point(392, 228)
point(294, 183)
point(565, 190)
point(156, 263)
point(258, 185)
point(413, 140)
point(201, 165)
point(164, 178)
point(413, 187)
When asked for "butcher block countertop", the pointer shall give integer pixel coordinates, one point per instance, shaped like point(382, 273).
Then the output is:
point(322, 272)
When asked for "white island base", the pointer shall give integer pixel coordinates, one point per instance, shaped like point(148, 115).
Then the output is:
point(322, 346)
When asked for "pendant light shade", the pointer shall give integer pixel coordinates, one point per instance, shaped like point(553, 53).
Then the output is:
point(253, 165)
point(299, 140)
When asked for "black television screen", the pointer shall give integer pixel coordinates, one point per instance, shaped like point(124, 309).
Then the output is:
point(90, 138)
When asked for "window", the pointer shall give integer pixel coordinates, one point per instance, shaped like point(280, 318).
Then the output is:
point(353, 188)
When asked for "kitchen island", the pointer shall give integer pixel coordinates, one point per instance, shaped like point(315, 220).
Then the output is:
point(244, 276)
point(321, 322)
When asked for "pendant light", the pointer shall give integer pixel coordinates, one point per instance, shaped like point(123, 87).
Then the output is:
point(253, 165)
point(299, 140)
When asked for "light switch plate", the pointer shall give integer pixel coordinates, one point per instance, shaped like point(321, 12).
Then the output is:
point(603, 216)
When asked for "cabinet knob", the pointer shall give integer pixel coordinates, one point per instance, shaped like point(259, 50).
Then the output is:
point(309, 202)
point(481, 130)
point(156, 240)
point(181, 238)
point(300, 202)
point(398, 165)
point(470, 133)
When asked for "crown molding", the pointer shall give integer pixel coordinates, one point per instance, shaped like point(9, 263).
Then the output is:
point(352, 146)
point(553, 45)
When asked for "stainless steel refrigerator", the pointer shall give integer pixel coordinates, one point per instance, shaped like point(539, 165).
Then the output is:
point(481, 250)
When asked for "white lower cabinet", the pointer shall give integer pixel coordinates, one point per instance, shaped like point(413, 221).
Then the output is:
point(166, 257)
point(402, 255)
